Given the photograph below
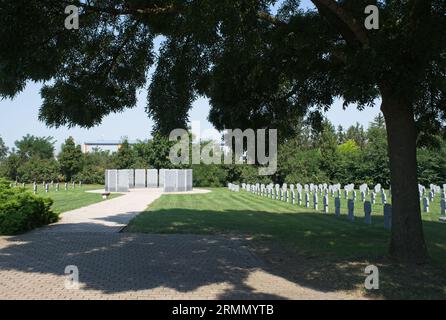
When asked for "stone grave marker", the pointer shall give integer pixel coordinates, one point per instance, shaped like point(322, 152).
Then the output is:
point(132, 178)
point(161, 178)
point(377, 188)
point(351, 210)
point(170, 178)
point(315, 201)
point(190, 180)
point(368, 212)
point(383, 197)
point(123, 180)
point(337, 202)
point(111, 181)
point(326, 203)
point(425, 205)
point(152, 178)
point(387, 216)
point(181, 181)
point(140, 178)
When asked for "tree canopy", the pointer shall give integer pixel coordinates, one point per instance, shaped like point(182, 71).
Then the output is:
point(35, 147)
point(271, 66)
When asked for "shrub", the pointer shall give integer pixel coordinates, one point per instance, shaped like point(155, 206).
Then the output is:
point(209, 175)
point(22, 211)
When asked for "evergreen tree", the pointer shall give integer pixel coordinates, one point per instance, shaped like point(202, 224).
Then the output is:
point(125, 158)
point(70, 159)
point(3, 149)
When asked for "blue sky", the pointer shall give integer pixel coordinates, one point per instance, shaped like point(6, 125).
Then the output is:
point(18, 117)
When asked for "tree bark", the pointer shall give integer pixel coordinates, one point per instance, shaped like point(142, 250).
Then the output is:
point(407, 243)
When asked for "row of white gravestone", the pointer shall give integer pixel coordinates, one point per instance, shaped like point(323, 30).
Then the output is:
point(293, 197)
point(233, 187)
point(48, 186)
point(171, 180)
point(333, 190)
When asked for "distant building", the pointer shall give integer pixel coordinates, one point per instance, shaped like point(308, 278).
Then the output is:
point(103, 145)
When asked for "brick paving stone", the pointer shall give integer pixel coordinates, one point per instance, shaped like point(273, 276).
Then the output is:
point(115, 265)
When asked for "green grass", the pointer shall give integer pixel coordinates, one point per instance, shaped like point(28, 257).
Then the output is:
point(322, 238)
point(72, 198)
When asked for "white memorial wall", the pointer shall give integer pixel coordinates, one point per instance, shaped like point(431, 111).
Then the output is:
point(170, 180)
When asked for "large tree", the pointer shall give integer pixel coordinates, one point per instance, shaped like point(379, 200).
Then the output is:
point(70, 159)
point(35, 147)
point(260, 68)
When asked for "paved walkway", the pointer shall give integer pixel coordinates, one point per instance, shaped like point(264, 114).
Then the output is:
point(106, 216)
point(116, 265)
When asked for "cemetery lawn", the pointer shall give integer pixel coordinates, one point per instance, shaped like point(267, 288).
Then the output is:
point(71, 199)
point(307, 247)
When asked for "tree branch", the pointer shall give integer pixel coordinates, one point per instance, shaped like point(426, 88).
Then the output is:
point(124, 11)
point(345, 17)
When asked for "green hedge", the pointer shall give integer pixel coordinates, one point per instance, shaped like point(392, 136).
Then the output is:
point(21, 211)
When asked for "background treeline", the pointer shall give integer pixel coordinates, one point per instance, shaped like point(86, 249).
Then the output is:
point(330, 154)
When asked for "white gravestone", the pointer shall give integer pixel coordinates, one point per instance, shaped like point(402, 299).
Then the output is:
point(326, 204)
point(351, 210)
point(152, 178)
point(111, 181)
point(425, 204)
point(170, 180)
point(131, 178)
point(161, 178)
point(123, 181)
point(189, 180)
point(181, 181)
point(378, 188)
point(368, 212)
point(140, 178)
point(338, 206)
point(383, 197)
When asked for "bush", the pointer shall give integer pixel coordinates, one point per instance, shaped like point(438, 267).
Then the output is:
point(22, 211)
point(209, 175)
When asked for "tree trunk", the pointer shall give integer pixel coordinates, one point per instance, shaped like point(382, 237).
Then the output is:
point(407, 243)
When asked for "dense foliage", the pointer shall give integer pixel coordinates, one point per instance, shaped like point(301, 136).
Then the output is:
point(355, 155)
point(21, 211)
